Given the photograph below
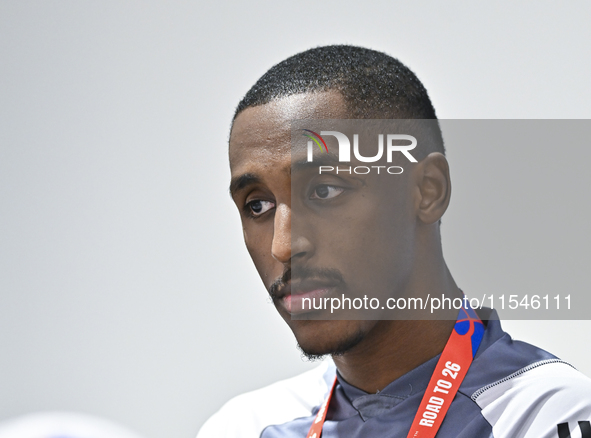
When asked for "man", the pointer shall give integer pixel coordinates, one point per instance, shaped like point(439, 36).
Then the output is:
point(322, 233)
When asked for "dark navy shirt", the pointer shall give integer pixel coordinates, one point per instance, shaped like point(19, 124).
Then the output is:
point(512, 389)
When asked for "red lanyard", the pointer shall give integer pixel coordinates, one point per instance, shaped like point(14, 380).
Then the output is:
point(449, 373)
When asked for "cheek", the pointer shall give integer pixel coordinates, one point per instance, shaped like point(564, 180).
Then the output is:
point(371, 243)
point(393, 239)
point(371, 228)
point(258, 243)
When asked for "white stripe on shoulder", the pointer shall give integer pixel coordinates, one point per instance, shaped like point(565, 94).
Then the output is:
point(248, 414)
point(531, 402)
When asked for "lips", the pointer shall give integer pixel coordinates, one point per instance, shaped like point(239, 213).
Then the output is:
point(309, 293)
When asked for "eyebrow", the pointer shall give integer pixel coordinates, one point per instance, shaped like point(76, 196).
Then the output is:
point(241, 182)
point(327, 159)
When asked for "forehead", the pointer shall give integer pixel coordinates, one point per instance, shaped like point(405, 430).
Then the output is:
point(262, 133)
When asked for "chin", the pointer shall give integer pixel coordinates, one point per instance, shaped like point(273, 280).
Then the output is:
point(320, 338)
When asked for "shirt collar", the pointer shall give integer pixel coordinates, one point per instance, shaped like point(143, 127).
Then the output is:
point(413, 382)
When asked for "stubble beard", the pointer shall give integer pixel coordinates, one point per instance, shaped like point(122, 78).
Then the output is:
point(338, 347)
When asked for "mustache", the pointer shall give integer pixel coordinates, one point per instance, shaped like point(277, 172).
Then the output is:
point(304, 273)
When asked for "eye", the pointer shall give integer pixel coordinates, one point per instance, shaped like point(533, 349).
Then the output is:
point(324, 191)
point(258, 207)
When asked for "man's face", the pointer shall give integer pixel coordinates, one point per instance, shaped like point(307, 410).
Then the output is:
point(318, 235)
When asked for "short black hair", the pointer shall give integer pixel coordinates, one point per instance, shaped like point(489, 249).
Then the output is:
point(374, 84)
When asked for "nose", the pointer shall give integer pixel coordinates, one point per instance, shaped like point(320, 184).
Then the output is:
point(284, 248)
point(281, 247)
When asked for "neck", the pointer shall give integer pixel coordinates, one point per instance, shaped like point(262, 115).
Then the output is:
point(392, 348)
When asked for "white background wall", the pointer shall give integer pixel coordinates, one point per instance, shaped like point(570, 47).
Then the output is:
point(125, 289)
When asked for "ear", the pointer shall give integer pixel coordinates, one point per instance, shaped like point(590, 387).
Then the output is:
point(434, 188)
